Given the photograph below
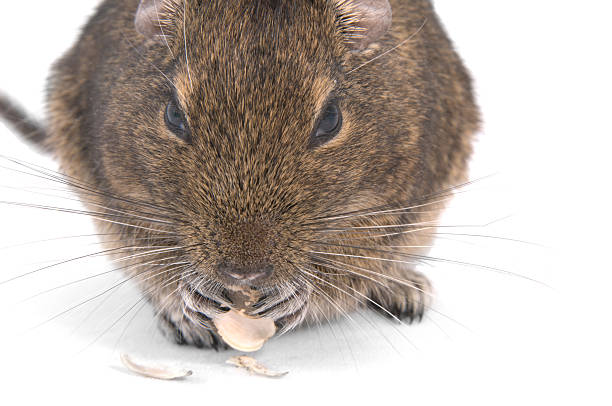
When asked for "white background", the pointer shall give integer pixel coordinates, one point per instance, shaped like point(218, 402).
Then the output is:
point(542, 76)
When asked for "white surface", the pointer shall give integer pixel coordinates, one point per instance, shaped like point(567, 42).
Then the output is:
point(542, 75)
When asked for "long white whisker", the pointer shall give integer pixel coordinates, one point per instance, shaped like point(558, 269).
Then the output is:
point(401, 210)
point(148, 253)
point(390, 50)
point(133, 226)
point(371, 237)
point(64, 179)
point(81, 200)
point(391, 278)
point(185, 40)
point(65, 262)
point(335, 254)
point(124, 268)
point(424, 259)
point(399, 281)
point(161, 29)
point(91, 299)
point(371, 301)
point(152, 64)
point(331, 301)
point(25, 244)
point(144, 296)
point(323, 264)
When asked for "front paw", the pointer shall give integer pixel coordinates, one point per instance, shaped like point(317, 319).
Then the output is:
point(186, 332)
point(406, 301)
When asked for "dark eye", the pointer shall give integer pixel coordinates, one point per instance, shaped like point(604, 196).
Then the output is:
point(329, 124)
point(175, 120)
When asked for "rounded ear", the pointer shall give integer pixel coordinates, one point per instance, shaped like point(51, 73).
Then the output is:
point(365, 20)
point(153, 17)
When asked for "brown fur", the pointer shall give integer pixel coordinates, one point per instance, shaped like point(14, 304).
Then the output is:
point(250, 190)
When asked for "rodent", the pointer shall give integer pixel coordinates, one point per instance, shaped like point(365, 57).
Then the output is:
point(276, 147)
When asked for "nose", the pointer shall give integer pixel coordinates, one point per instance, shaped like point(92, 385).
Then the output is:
point(246, 273)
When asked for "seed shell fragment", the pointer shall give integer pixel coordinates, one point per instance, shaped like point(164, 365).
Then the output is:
point(165, 374)
point(253, 366)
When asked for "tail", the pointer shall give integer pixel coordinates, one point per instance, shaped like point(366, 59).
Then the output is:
point(29, 128)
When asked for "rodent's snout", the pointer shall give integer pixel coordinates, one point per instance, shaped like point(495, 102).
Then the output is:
point(253, 273)
point(244, 252)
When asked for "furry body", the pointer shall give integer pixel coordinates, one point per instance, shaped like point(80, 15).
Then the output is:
point(340, 225)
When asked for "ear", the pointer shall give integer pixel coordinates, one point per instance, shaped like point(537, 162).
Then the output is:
point(365, 21)
point(153, 17)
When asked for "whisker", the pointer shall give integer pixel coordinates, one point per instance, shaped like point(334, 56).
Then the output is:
point(144, 296)
point(185, 273)
point(327, 265)
point(328, 320)
point(127, 325)
point(447, 192)
point(149, 253)
point(25, 244)
point(328, 244)
point(398, 211)
point(123, 268)
point(417, 230)
point(376, 227)
point(131, 45)
point(379, 236)
point(161, 29)
point(95, 340)
point(92, 214)
point(165, 302)
point(360, 301)
point(126, 214)
point(185, 40)
point(62, 263)
point(91, 299)
point(425, 259)
point(341, 311)
point(388, 277)
point(402, 282)
point(390, 50)
point(128, 239)
point(493, 237)
point(98, 307)
point(134, 226)
point(331, 301)
point(428, 224)
point(336, 254)
point(54, 176)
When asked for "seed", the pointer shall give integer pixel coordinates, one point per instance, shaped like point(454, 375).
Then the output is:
point(244, 333)
point(152, 372)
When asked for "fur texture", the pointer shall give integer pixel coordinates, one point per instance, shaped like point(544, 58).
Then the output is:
point(248, 189)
